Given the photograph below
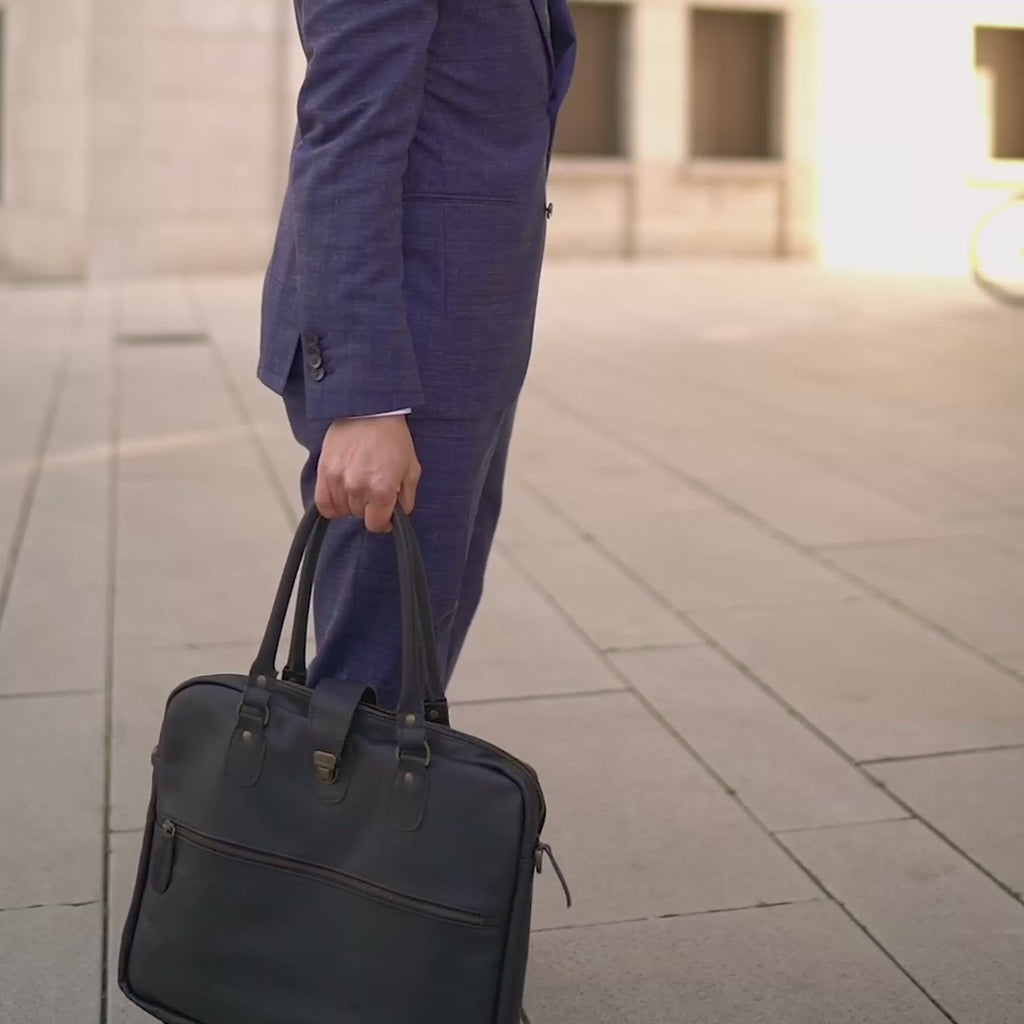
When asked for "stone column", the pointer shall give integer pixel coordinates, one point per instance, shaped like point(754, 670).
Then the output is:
point(186, 148)
point(44, 170)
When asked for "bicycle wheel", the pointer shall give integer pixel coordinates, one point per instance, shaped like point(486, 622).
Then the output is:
point(997, 252)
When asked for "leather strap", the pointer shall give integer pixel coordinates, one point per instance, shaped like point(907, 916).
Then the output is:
point(435, 703)
point(295, 667)
point(331, 710)
point(421, 676)
point(264, 665)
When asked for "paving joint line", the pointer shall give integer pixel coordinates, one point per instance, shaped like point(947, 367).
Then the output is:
point(768, 691)
point(46, 694)
point(792, 447)
point(50, 906)
point(811, 553)
point(966, 751)
point(113, 523)
point(531, 697)
point(895, 542)
point(241, 409)
point(28, 495)
point(729, 790)
point(878, 944)
point(641, 648)
point(711, 911)
point(831, 826)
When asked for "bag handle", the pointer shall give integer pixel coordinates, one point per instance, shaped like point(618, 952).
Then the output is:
point(419, 646)
point(264, 665)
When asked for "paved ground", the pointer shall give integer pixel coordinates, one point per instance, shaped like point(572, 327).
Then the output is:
point(756, 617)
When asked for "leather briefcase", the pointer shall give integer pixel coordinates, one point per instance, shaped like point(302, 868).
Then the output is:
point(309, 857)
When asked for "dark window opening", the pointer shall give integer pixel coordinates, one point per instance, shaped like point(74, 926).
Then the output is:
point(735, 84)
point(999, 64)
point(592, 119)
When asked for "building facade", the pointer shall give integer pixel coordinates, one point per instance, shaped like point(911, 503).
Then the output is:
point(150, 136)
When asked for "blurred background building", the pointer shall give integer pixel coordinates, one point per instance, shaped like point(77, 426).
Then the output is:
point(144, 136)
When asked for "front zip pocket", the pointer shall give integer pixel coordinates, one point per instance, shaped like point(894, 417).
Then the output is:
point(169, 833)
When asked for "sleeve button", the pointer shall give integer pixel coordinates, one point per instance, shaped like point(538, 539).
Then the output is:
point(316, 360)
point(318, 373)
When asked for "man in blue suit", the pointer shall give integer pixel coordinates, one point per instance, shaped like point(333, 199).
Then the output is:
point(399, 303)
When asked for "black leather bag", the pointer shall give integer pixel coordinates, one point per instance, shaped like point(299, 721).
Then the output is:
point(310, 858)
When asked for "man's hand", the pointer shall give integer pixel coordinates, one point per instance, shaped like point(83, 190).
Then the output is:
point(365, 466)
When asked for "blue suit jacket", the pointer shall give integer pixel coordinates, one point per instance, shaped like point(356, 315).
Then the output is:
point(409, 248)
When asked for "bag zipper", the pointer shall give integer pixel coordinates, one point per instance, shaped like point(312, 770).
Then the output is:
point(542, 849)
point(174, 831)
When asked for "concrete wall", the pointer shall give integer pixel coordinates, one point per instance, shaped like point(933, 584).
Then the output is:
point(903, 176)
point(186, 134)
point(43, 201)
point(658, 198)
point(144, 136)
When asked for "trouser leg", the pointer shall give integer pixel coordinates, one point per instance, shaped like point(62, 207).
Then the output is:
point(355, 602)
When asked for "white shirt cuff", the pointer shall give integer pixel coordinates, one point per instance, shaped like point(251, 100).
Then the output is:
point(376, 415)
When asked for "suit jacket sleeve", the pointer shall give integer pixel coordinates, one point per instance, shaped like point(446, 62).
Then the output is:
point(357, 113)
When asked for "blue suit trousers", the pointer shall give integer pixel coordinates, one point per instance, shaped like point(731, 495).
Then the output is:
point(355, 600)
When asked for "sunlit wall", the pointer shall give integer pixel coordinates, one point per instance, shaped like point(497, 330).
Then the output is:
point(903, 139)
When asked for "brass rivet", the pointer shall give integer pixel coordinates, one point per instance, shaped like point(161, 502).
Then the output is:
point(246, 735)
point(409, 778)
point(410, 719)
point(261, 680)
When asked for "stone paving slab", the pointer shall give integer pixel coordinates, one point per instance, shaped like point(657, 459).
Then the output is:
point(974, 800)
point(527, 519)
point(954, 931)
point(611, 607)
point(124, 860)
point(807, 500)
point(53, 634)
point(1014, 660)
point(787, 776)
point(685, 440)
point(143, 679)
point(163, 305)
point(968, 585)
point(877, 683)
point(199, 562)
point(589, 476)
point(800, 964)
point(597, 487)
point(153, 379)
point(638, 828)
point(49, 965)
point(715, 559)
point(53, 629)
point(51, 761)
point(1005, 528)
point(521, 647)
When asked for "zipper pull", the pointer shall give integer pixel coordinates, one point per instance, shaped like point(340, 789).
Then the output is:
point(542, 849)
point(161, 858)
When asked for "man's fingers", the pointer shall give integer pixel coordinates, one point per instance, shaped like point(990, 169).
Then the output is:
point(324, 500)
point(330, 497)
point(407, 495)
point(357, 502)
point(366, 466)
point(378, 515)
